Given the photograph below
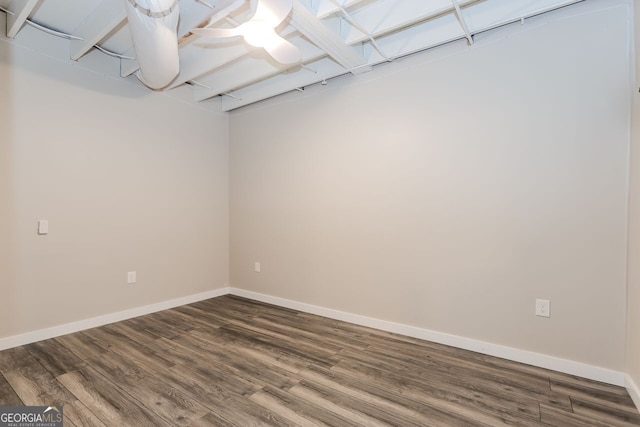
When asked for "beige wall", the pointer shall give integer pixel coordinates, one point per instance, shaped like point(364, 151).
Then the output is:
point(128, 179)
point(633, 305)
point(450, 190)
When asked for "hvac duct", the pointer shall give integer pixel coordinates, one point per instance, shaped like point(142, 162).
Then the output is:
point(154, 26)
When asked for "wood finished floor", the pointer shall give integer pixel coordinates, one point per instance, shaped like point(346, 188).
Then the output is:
point(230, 361)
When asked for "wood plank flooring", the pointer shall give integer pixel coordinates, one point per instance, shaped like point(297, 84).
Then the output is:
point(230, 361)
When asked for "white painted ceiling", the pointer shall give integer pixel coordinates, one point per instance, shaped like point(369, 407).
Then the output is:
point(335, 37)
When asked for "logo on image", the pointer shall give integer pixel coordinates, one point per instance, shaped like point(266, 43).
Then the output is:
point(31, 416)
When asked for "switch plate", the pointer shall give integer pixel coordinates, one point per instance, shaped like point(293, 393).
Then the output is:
point(43, 226)
point(131, 277)
point(543, 308)
point(256, 267)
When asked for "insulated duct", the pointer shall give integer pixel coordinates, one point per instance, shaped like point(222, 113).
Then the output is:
point(154, 25)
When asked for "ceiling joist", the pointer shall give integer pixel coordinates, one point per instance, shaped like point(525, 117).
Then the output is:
point(21, 10)
point(94, 27)
point(328, 7)
point(335, 37)
point(282, 83)
point(129, 66)
point(313, 29)
point(196, 60)
point(462, 22)
point(234, 77)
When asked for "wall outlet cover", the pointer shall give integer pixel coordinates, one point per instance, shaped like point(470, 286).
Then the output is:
point(543, 308)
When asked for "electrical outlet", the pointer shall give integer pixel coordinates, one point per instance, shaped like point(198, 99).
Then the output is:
point(131, 277)
point(543, 308)
point(256, 267)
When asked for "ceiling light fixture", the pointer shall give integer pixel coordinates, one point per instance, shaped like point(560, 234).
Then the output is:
point(259, 31)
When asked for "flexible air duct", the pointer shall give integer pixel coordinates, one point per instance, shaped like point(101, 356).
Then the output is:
point(154, 25)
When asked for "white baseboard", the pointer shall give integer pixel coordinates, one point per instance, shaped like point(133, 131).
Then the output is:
point(633, 389)
point(536, 359)
point(68, 328)
point(523, 356)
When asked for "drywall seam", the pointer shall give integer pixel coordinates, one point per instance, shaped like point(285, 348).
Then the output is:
point(523, 356)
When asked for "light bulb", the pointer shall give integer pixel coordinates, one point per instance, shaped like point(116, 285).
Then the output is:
point(258, 33)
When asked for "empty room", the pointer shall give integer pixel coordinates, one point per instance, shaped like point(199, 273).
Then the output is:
point(319, 212)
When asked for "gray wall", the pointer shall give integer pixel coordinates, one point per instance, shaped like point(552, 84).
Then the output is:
point(450, 190)
point(128, 179)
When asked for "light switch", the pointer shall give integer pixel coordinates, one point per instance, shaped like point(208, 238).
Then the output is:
point(43, 226)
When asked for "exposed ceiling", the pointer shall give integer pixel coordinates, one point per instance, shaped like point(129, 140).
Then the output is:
point(335, 37)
